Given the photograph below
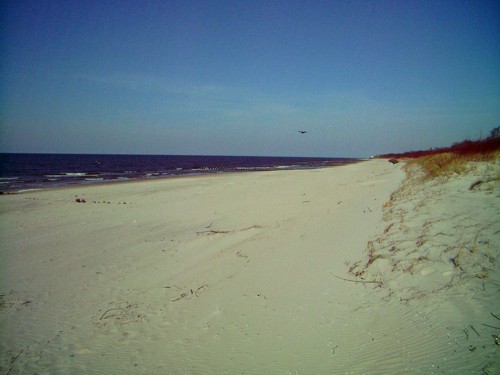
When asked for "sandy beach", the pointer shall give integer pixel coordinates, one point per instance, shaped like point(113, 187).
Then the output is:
point(358, 269)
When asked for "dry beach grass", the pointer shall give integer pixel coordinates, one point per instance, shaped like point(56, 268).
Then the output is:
point(447, 164)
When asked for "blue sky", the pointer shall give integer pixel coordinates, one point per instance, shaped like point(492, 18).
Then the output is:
point(242, 77)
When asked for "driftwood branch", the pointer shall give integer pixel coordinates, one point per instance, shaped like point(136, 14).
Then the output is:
point(192, 292)
point(213, 231)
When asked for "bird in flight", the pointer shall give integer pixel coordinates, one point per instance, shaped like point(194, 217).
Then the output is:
point(303, 131)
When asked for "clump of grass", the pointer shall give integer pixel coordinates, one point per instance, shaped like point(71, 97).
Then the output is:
point(448, 163)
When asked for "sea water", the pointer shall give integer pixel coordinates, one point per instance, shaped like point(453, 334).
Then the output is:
point(36, 171)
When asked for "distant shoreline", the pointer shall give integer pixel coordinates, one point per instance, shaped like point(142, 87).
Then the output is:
point(25, 172)
point(146, 180)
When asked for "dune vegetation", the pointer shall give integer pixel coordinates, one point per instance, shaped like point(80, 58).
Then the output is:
point(457, 159)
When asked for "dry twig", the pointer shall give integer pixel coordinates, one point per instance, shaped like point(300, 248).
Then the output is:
point(108, 310)
point(380, 283)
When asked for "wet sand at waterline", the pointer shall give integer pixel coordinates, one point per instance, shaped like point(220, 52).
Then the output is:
point(353, 269)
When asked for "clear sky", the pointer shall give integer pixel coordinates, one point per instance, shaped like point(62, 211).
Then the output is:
point(242, 77)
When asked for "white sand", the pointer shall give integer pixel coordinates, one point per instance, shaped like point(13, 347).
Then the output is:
point(235, 274)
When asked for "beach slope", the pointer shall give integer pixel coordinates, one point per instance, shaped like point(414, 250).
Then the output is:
point(265, 272)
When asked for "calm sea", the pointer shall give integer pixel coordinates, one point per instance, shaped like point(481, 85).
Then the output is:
point(34, 171)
